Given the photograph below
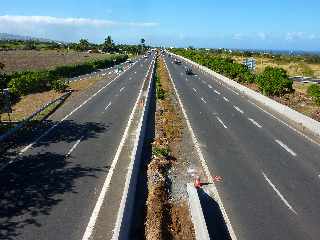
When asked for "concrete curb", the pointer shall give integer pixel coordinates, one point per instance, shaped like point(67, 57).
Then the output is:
point(298, 120)
point(199, 223)
point(125, 214)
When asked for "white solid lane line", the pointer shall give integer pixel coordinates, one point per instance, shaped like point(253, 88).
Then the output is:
point(109, 104)
point(279, 194)
point(254, 122)
point(74, 146)
point(220, 121)
point(209, 86)
point(217, 92)
point(203, 100)
point(226, 99)
point(121, 89)
point(238, 109)
point(286, 147)
point(195, 90)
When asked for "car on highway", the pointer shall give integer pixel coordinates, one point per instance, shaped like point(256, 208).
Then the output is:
point(177, 61)
point(189, 71)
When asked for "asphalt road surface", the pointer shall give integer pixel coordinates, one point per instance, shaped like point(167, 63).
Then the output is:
point(51, 188)
point(271, 173)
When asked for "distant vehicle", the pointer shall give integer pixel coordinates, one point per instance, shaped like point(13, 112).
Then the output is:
point(176, 61)
point(189, 71)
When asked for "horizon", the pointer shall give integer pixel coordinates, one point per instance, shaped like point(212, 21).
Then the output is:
point(285, 26)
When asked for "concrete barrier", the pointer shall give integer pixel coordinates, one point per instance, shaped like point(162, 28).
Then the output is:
point(198, 220)
point(296, 119)
point(125, 214)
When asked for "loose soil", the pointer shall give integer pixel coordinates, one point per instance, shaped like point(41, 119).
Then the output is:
point(167, 208)
point(21, 60)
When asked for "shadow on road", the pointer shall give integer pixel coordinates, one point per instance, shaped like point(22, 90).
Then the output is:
point(34, 183)
point(215, 222)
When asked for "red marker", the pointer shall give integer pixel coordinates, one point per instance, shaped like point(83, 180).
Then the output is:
point(197, 182)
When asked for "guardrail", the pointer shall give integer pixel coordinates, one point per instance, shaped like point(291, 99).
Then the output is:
point(296, 119)
point(19, 126)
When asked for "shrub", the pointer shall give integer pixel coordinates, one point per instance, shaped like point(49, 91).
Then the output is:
point(160, 152)
point(22, 83)
point(31, 81)
point(314, 92)
point(274, 81)
point(60, 85)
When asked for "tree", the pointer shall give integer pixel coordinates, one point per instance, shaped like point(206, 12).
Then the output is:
point(108, 45)
point(142, 41)
point(83, 45)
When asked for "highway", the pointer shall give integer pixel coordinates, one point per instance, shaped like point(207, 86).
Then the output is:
point(271, 173)
point(52, 187)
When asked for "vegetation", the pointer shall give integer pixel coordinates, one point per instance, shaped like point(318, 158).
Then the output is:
point(22, 83)
point(108, 46)
point(314, 92)
point(273, 81)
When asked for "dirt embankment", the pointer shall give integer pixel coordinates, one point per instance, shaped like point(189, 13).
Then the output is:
point(22, 60)
point(168, 214)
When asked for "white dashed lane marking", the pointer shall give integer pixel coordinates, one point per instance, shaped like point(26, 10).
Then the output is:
point(238, 109)
point(255, 123)
point(226, 99)
point(284, 146)
point(220, 121)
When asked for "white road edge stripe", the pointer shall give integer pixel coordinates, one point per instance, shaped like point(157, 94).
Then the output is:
point(74, 146)
point(286, 147)
point(222, 123)
point(203, 100)
point(254, 122)
point(89, 229)
point(279, 194)
point(238, 109)
point(72, 112)
point(203, 162)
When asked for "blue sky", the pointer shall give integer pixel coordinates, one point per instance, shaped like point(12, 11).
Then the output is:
point(272, 24)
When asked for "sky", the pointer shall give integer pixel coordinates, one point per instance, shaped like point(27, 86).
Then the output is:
point(251, 24)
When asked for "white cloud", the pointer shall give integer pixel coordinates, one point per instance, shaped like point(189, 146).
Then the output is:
point(68, 29)
point(7, 19)
point(292, 36)
point(238, 36)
